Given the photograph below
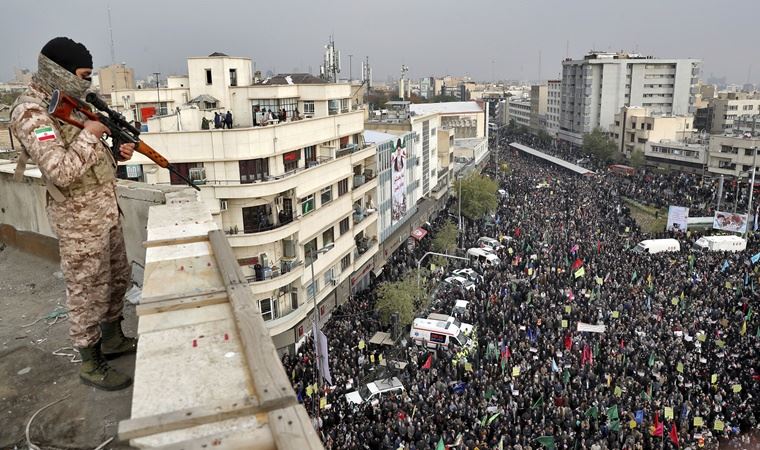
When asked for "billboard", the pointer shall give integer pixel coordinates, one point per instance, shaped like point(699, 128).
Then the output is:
point(398, 181)
point(726, 221)
point(677, 218)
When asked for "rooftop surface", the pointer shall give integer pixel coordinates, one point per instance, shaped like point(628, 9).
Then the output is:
point(446, 108)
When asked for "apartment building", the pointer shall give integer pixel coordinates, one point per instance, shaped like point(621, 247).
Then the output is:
point(634, 126)
point(553, 104)
point(732, 155)
point(115, 77)
point(296, 198)
point(680, 156)
point(597, 86)
point(747, 124)
point(538, 106)
point(728, 106)
point(519, 110)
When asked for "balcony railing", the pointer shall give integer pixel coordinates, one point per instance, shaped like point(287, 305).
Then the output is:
point(278, 269)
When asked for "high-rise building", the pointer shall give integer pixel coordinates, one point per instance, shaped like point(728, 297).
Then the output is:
point(553, 99)
point(597, 86)
point(115, 77)
point(727, 106)
point(538, 105)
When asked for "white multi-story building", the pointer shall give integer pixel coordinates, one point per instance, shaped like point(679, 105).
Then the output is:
point(672, 155)
point(519, 110)
point(634, 126)
point(297, 198)
point(732, 155)
point(553, 101)
point(728, 106)
point(596, 87)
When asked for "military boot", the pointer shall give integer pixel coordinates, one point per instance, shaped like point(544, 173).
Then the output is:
point(96, 372)
point(114, 343)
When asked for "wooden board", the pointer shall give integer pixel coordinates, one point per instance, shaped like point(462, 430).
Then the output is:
point(180, 318)
point(195, 301)
point(189, 266)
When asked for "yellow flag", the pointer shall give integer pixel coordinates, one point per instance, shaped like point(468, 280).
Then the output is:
point(718, 426)
point(309, 391)
point(530, 271)
point(467, 367)
point(728, 285)
point(580, 272)
point(361, 344)
point(674, 301)
point(615, 314)
point(736, 388)
point(681, 295)
point(668, 412)
point(515, 371)
point(568, 309)
point(322, 402)
point(679, 367)
point(714, 378)
point(744, 328)
point(380, 357)
point(698, 422)
point(632, 424)
point(564, 324)
point(618, 391)
point(720, 343)
point(372, 358)
point(701, 337)
point(599, 280)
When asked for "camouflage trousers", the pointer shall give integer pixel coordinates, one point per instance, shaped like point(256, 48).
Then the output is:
point(93, 260)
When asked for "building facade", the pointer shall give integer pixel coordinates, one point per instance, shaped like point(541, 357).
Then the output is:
point(732, 155)
point(728, 106)
point(520, 111)
point(596, 87)
point(115, 77)
point(635, 126)
point(553, 104)
point(538, 106)
point(679, 156)
point(296, 198)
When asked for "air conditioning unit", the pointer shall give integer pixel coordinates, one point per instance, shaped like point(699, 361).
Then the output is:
point(334, 281)
point(222, 205)
point(197, 175)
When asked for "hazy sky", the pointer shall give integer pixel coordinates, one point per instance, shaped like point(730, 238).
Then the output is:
point(432, 37)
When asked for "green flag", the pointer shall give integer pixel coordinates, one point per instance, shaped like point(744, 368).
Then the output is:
point(593, 412)
point(749, 314)
point(547, 442)
point(538, 403)
point(615, 425)
point(488, 394)
point(612, 413)
point(440, 445)
point(651, 359)
point(633, 277)
point(566, 376)
point(492, 418)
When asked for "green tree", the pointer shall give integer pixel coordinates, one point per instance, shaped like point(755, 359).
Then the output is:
point(637, 158)
point(599, 144)
point(478, 195)
point(544, 138)
point(402, 297)
point(445, 241)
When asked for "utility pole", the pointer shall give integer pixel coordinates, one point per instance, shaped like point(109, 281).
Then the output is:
point(751, 187)
point(350, 75)
point(158, 94)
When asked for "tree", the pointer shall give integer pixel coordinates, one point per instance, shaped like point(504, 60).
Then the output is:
point(445, 241)
point(402, 297)
point(597, 143)
point(478, 195)
point(637, 158)
point(544, 138)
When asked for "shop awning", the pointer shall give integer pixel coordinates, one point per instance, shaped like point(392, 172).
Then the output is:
point(419, 233)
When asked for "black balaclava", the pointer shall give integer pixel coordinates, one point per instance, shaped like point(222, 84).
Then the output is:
point(57, 65)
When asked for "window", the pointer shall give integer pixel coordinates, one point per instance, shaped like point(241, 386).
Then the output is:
point(294, 300)
point(312, 289)
point(642, 141)
point(256, 219)
point(308, 107)
point(309, 250)
point(344, 105)
point(233, 77)
point(344, 226)
point(310, 155)
point(326, 195)
point(208, 76)
point(343, 186)
point(275, 105)
point(290, 160)
point(649, 126)
point(307, 204)
point(329, 276)
point(345, 262)
point(265, 306)
point(184, 170)
point(332, 107)
point(747, 152)
point(253, 170)
point(328, 237)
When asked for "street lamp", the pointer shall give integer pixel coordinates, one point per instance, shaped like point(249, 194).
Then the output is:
point(459, 199)
point(751, 187)
point(419, 262)
point(315, 318)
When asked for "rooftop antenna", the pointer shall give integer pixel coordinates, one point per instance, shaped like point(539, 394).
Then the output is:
point(539, 67)
point(110, 31)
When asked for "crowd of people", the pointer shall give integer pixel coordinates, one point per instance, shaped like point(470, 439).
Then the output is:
point(581, 343)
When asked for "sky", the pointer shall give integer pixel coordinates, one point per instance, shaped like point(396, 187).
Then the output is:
point(498, 39)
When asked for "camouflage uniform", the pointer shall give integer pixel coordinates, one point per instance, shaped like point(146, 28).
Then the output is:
point(82, 208)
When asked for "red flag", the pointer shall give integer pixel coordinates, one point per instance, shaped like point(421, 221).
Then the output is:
point(577, 264)
point(568, 342)
point(429, 362)
point(506, 353)
point(657, 428)
point(517, 232)
point(622, 343)
point(586, 355)
point(674, 435)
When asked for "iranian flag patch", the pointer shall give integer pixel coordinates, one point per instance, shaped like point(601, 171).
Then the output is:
point(45, 133)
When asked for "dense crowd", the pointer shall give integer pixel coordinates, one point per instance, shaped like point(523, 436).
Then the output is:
point(676, 361)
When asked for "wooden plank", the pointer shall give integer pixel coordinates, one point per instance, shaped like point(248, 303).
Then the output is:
point(190, 417)
point(242, 432)
point(184, 317)
point(248, 439)
point(292, 429)
point(195, 301)
point(175, 240)
point(269, 378)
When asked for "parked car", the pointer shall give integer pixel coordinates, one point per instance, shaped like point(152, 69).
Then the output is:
point(469, 274)
point(374, 390)
point(460, 282)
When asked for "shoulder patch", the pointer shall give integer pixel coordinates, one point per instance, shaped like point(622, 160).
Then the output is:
point(44, 133)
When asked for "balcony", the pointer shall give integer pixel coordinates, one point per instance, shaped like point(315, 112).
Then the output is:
point(275, 279)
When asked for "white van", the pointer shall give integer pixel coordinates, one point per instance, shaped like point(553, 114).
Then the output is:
point(435, 333)
point(653, 246)
point(483, 256)
point(490, 242)
point(375, 389)
point(466, 327)
point(722, 243)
